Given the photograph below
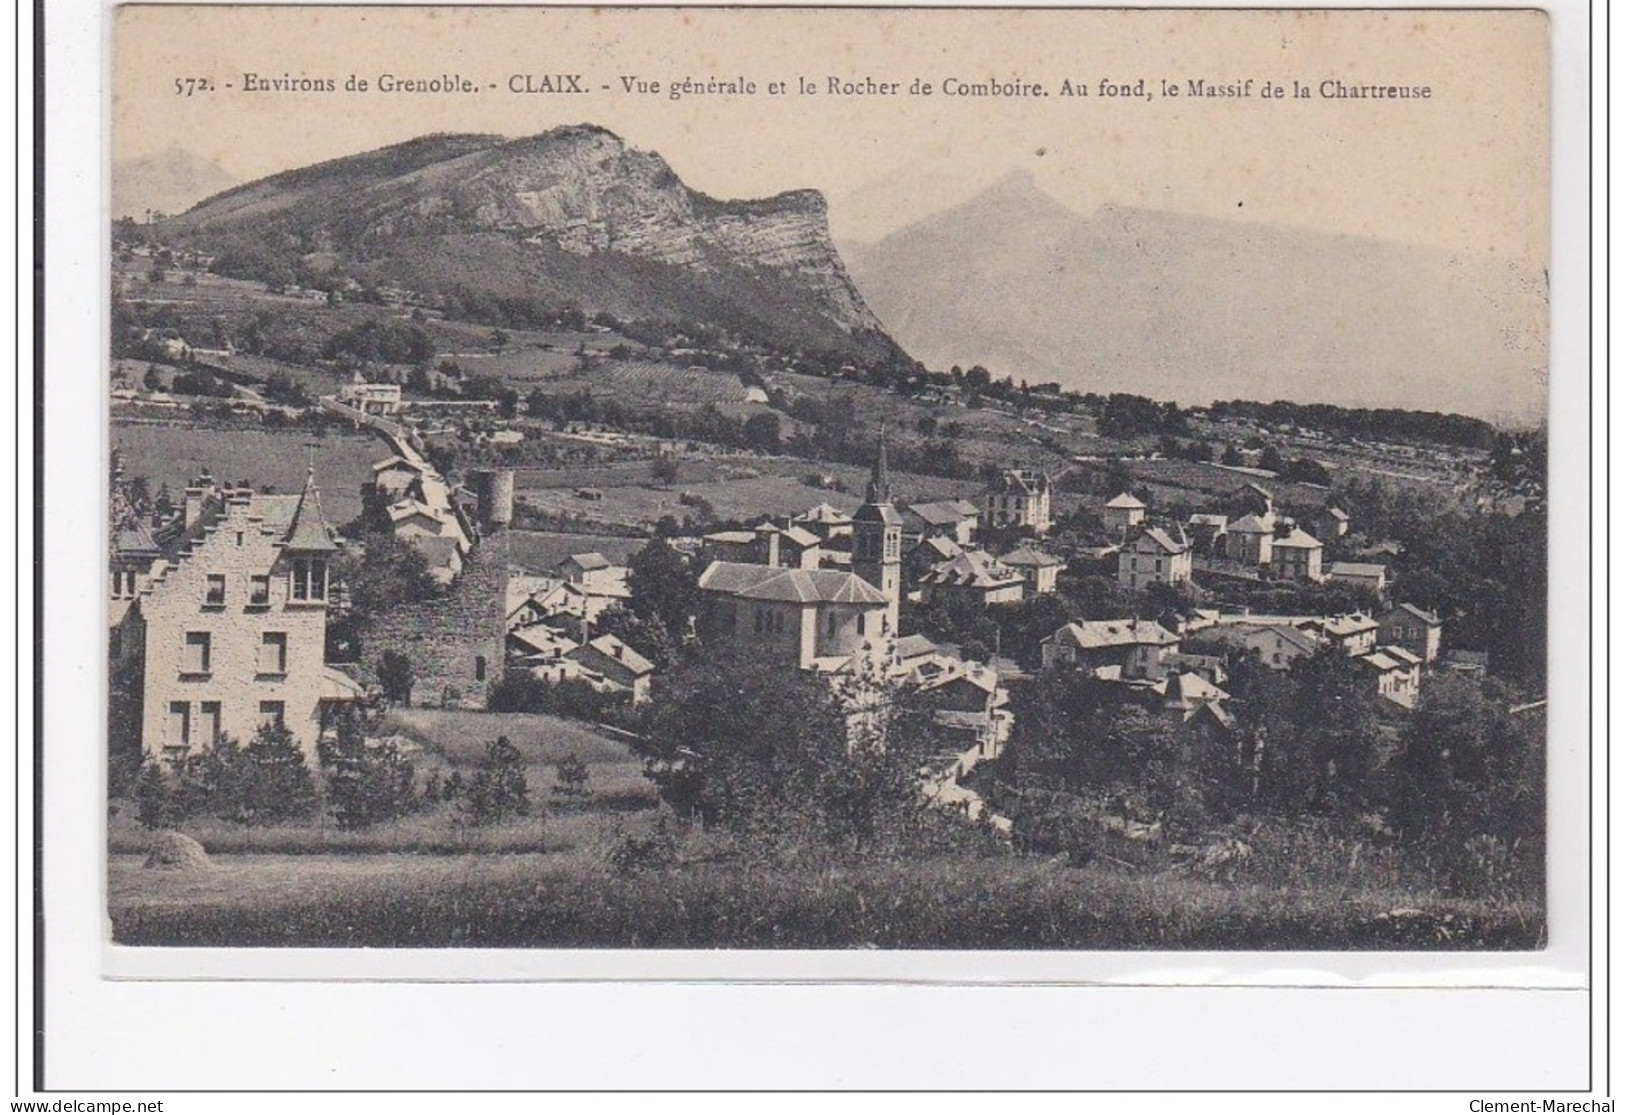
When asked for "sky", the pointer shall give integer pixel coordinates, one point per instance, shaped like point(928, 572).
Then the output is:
point(1465, 169)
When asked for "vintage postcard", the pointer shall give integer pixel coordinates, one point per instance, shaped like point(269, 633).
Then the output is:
point(1046, 481)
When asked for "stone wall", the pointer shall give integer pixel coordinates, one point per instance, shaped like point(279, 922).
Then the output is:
point(450, 640)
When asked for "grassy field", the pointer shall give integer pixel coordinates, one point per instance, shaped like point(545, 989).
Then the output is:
point(541, 551)
point(173, 453)
point(438, 743)
point(572, 898)
point(629, 496)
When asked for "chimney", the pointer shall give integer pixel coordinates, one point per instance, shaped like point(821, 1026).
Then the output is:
point(197, 493)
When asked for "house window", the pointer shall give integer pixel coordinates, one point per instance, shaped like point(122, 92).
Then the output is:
point(829, 625)
point(239, 538)
point(259, 589)
point(209, 723)
point(215, 595)
point(118, 584)
point(274, 652)
point(178, 731)
point(309, 579)
point(272, 714)
point(479, 667)
point(195, 654)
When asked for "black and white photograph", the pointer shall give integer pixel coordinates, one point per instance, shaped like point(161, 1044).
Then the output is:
point(813, 479)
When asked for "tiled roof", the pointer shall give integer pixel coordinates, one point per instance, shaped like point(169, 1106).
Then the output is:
point(1028, 556)
point(397, 461)
point(1100, 633)
point(823, 513)
point(1298, 540)
point(1347, 625)
point(732, 537)
point(1126, 502)
point(1160, 538)
point(1416, 613)
point(971, 569)
point(1356, 569)
point(1251, 524)
point(943, 512)
point(611, 647)
point(800, 586)
point(913, 646)
point(945, 548)
point(1403, 655)
point(590, 561)
point(801, 536)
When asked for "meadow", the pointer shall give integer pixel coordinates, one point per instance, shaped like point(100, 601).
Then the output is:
point(173, 453)
point(560, 877)
point(574, 898)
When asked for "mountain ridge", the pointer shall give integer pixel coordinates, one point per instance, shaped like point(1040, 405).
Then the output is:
point(1197, 308)
point(572, 214)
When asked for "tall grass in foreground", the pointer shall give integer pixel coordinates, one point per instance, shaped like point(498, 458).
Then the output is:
point(574, 901)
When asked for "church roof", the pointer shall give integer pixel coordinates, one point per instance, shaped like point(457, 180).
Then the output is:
point(799, 586)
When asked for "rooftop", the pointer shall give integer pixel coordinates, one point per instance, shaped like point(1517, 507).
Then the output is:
point(799, 586)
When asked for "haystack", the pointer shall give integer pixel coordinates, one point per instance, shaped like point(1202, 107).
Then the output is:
point(175, 851)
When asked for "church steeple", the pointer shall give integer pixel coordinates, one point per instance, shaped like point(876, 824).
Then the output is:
point(879, 489)
point(877, 539)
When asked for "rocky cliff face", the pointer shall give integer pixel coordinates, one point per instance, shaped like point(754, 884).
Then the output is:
point(573, 193)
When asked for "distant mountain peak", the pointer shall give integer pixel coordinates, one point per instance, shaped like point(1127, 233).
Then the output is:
point(1192, 308)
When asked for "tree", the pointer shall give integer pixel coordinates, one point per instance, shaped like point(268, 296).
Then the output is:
point(664, 470)
point(662, 586)
point(762, 432)
point(265, 782)
point(395, 677)
point(154, 799)
point(1272, 460)
point(368, 780)
point(498, 789)
point(570, 780)
point(1327, 751)
point(385, 574)
point(648, 636)
point(746, 746)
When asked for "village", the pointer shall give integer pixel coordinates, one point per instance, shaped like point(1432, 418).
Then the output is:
point(221, 609)
point(1103, 628)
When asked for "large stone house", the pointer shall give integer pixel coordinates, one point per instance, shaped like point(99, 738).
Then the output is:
point(1413, 628)
point(1295, 555)
point(230, 632)
point(1121, 513)
point(1361, 574)
point(1037, 568)
point(1019, 498)
point(1124, 648)
point(1153, 557)
point(1354, 634)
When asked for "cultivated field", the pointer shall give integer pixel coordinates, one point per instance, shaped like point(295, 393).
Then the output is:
point(172, 454)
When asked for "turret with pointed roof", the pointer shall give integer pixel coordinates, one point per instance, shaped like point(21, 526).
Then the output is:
point(309, 532)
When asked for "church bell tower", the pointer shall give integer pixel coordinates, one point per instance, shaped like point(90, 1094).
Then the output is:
point(877, 539)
